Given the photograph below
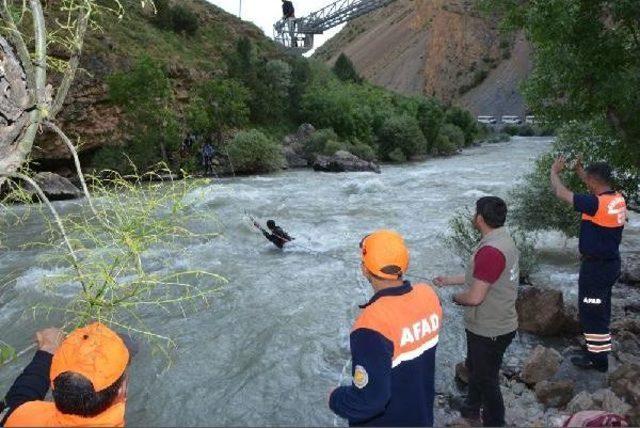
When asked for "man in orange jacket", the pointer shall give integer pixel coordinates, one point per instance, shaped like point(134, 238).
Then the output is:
point(393, 343)
point(604, 213)
point(87, 375)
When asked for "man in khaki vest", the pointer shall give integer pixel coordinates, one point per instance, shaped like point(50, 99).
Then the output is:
point(490, 317)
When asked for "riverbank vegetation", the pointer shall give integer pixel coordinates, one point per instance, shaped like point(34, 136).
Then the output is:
point(586, 75)
point(272, 95)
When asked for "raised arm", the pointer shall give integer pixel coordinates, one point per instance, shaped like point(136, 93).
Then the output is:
point(559, 188)
point(442, 281)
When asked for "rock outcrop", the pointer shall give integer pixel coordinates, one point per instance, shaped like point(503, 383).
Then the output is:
point(554, 394)
point(55, 187)
point(344, 161)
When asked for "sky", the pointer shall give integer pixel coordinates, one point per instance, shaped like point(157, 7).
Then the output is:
point(264, 13)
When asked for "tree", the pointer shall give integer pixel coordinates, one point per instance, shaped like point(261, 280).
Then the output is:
point(345, 70)
point(587, 63)
point(401, 133)
point(430, 116)
point(217, 106)
point(463, 120)
point(252, 152)
point(145, 93)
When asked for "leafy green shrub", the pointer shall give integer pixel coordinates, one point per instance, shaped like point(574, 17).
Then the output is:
point(144, 93)
point(526, 130)
point(345, 70)
point(430, 116)
point(463, 120)
point(444, 146)
point(500, 137)
point(178, 18)
point(511, 130)
point(363, 151)
point(401, 132)
point(217, 106)
point(253, 152)
point(184, 21)
point(316, 143)
point(454, 134)
point(332, 146)
point(397, 155)
point(463, 238)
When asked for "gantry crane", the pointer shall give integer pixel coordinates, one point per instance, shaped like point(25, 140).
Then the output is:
point(296, 34)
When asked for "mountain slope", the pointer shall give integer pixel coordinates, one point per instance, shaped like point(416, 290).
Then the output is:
point(90, 116)
point(441, 48)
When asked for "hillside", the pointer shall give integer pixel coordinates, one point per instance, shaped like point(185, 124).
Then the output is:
point(88, 114)
point(440, 48)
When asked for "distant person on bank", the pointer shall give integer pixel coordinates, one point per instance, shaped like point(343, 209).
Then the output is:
point(393, 343)
point(87, 373)
point(604, 213)
point(490, 318)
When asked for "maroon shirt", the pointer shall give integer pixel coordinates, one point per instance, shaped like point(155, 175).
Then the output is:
point(489, 264)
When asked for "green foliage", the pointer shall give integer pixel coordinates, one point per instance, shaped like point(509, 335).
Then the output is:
point(454, 134)
point(363, 151)
point(331, 147)
point(401, 132)
point(510, 130)
point(500, 137)
point(397, 155)
point(7, 353)
point(587, 63)
point(253, 152)
point(145, 95)
point(217, 106)
point(463, 120)
point(535, 191)
point(345, 70)
point(463, 238)
point(526, 130)
point(177, 18)
point(317, 142)
point(430, 116)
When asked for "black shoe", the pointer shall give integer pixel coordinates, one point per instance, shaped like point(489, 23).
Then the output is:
point(586, 363)
point(466, 411)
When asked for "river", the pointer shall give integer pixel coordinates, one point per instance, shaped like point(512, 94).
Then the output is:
point(274, 342)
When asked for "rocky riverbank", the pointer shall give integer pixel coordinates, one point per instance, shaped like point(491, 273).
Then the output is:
point(541, 387)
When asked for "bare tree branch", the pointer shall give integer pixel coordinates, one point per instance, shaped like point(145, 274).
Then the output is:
point(40, 60)
point(18, 41)
point(56, 217)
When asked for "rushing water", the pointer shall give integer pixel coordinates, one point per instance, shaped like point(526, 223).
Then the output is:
point(275, 341)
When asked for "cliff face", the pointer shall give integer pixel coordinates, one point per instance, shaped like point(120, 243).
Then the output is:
point(441, 48)
point(91, 119)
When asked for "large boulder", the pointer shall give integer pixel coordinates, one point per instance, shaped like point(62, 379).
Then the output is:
point(55, 187)
point(541, 311)
point(630, 269)
point(580, 403)
point(625, 383)
point(543, 364)
point(294, 159)
point(554, 394)
point(344, 161)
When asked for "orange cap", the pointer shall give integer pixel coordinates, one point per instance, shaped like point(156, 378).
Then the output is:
point(96, 352)
point(385, 255)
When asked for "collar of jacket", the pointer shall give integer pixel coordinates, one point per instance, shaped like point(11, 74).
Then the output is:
point(393, 291)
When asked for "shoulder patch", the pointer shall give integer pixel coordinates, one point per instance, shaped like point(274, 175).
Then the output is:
point(360, 377)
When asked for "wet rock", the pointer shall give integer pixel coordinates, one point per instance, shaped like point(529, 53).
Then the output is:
point(543, 364)
point(630, 269)
point(518, 388)
point(344, 161)
point(462, 372)
point(540, 311)
point(607, 400)
point(580, 402)
point(569, 372)
point(55, 187)
point(554, 394)
point(293, 158)
point(625, 382)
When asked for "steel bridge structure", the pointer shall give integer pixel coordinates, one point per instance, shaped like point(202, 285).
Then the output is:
point(296, 34)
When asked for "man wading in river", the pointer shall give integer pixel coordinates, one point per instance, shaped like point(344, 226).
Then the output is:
point(277, 236)
point(604, 213)
point(87, 374)
point(393, 343)
point(490, 317)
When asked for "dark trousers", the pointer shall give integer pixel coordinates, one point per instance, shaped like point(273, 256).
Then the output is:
point(596, 280)
point(484, 358)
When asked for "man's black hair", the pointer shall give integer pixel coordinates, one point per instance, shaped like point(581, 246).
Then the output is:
point(74, 395)
point(601, 171)
point(271, 224)
point(493, 210)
